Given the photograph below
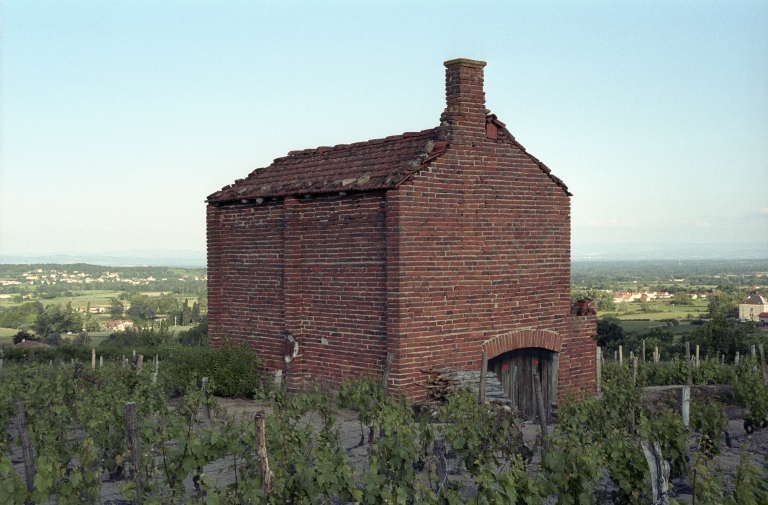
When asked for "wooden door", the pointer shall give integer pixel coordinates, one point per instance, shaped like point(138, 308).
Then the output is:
point(515, 371)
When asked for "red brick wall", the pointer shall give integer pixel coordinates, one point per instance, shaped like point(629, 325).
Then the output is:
point(313, 268)
point(245, 276)
point(483, 249)
point(578, 362)
point(343, 286)
point(473, 247)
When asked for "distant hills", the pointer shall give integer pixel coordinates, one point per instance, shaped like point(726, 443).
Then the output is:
point(189, 258)
point(160, 257)
point(618, 251)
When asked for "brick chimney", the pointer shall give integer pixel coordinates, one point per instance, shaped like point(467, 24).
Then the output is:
point(464, 116)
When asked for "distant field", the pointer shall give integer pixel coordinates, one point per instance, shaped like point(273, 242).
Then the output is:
point(644, 326)
point(97, 299)
point(661, 310)
point(97, 337)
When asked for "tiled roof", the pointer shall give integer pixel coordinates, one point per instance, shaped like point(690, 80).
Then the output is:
point(756, 300)
point(376, 164)
point(31, 343)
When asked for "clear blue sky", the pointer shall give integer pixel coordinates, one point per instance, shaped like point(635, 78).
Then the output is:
point(119, 118)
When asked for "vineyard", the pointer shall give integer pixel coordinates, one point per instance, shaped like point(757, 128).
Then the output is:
point(72, 430)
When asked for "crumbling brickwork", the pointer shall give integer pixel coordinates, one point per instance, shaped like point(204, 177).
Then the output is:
point(432, 246)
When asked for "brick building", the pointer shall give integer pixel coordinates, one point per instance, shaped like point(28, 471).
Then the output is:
point(430, 246)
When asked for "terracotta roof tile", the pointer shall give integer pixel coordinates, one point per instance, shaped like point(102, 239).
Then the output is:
point(361, 166)
point(376, 164)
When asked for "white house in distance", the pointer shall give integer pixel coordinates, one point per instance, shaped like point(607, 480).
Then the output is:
point(120, 325)
point(751, 309)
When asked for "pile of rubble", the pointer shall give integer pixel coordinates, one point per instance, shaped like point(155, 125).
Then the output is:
point(442, 382)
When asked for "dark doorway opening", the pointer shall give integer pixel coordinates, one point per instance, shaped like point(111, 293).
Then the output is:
point(515, 371)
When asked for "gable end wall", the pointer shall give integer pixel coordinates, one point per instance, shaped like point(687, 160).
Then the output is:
point(483, 249)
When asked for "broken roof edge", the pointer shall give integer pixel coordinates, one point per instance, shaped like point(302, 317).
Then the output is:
point(435, 148)
point(339, 147)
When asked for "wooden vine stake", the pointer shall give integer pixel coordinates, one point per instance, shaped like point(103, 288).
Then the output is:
point(26, 446)
point(621, 356)
point(659, 472)
point(634, 384)
point(686, 405)
point(540, 406)
point(206, 407)
point(599, 366)
point(132, 438)
point(93, 358)
point(642, 346)
point(387, 369)
point(698, 362)
point(634, 371)
point(483, 377)
point(261, 451)
point(139, 363)
point(688, 362)
point(765, 370)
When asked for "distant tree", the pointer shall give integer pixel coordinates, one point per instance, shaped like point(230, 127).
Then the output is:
point(141, 312)
point(197, 335)
point(24, 335)
point(608, 331)
point(92, 325)
point(81, 339)
point(682, 298)
point(195, 313)
point(186, 314)
point(53, 339)
point(116, 308)
point(720, 304)
point(167, 303)
point(88, 311)
point(603, 299)
point(22, 317)
point(724, 336)
point(646, 307)
point(56, 319)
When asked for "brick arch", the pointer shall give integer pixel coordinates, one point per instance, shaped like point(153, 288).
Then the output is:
point(519, 339)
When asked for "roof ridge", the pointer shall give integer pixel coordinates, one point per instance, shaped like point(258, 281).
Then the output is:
point(339, 147)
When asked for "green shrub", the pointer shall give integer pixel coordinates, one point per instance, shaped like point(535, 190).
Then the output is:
point(232, 370)
point(197, 335)
point(46, 354)
point(147, 335)
point(751, 393)
point(708, 418)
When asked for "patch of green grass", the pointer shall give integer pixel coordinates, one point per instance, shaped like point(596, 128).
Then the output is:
point(7, 332)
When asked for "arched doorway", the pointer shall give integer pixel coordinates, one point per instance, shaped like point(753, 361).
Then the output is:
point(515, 371)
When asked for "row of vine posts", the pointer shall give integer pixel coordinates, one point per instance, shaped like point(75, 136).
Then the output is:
point(658, 466)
